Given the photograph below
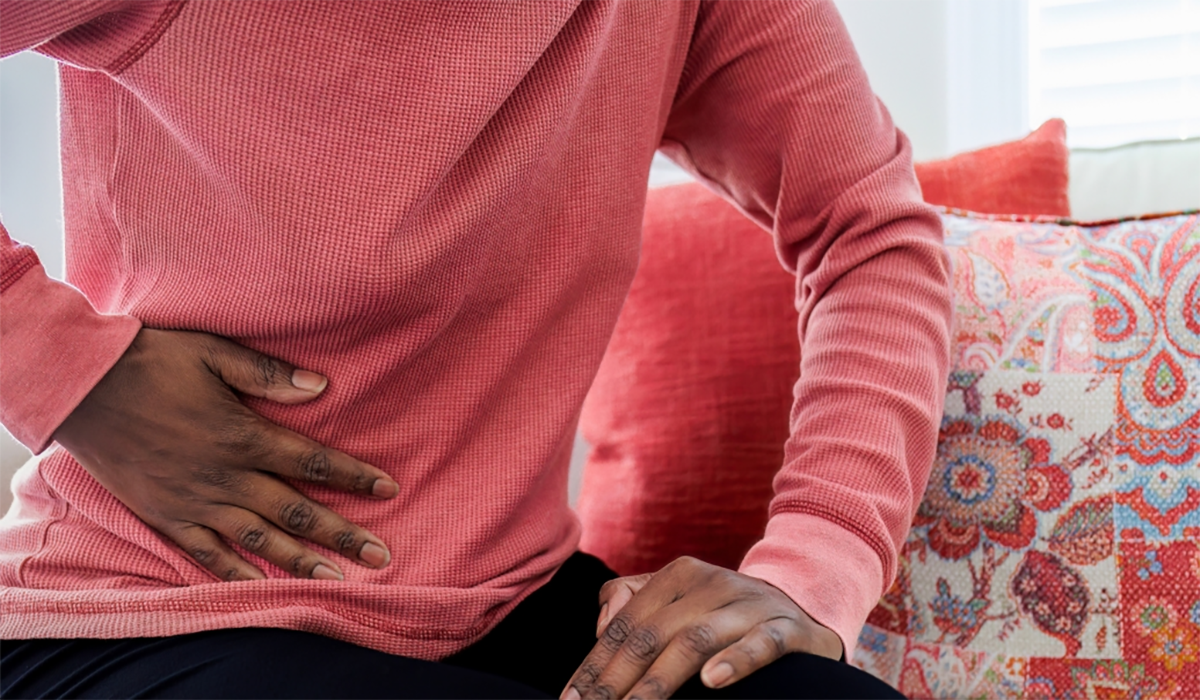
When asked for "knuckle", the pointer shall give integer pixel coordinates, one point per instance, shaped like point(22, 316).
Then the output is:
point(314, 466)
point(231, 574)
point(299, 517)
point(775, 639)
point(701, 639)
point(588, 675)
point(644, 643)
point(617, 632)
point(252, 537)
point(218, 477)
point(677, 565)
point(243, 438)
point(296, 565)
point(650, 687)
point(347, 541)
point(728, 579)
point(603, 692)
point(267, 370)
point(203, 555)
point(751, 587)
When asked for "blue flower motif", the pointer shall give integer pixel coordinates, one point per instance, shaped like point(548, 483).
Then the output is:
point(1194, 615)
point(872, 640)
point(953, 614)
point(1152, 567)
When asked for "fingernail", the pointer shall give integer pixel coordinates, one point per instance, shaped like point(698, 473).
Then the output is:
point(718, 675)
point(384, 488)
point(571, 694)
point(327, 573)
point(308, 381)
point(374, 555)
point(603, 619)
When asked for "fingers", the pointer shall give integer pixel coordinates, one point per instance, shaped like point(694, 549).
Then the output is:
point(624, 627)
point(257, 536)
point(256, 374)
point(615, 594)
point(762, 645)
point(291, 511)
point(297, 457)
point(683, 656)
point(207, 548)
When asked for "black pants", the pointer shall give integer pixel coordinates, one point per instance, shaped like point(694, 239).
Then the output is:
point(532, 653)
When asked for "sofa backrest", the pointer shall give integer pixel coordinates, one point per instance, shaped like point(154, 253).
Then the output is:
point(1138, 178)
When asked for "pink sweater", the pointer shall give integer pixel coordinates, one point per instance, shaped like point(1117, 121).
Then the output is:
point(438, 206)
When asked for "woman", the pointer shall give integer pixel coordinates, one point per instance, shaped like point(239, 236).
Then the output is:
point(342, 274)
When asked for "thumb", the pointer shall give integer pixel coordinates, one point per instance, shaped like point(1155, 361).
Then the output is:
point(251, 372)
point(615, 594)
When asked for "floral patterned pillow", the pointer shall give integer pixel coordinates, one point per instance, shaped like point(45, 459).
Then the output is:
point(1056, 553)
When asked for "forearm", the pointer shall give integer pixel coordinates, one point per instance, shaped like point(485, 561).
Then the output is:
point(54, 346)
point(864, 433)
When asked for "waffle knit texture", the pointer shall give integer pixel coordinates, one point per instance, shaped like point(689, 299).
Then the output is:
point(438, 206)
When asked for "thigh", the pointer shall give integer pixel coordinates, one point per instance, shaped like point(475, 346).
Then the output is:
point(545, 638)
point(236, 663)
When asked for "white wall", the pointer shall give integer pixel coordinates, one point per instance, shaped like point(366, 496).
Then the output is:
point(902, 44)
point(30, 193)
point(952, 72)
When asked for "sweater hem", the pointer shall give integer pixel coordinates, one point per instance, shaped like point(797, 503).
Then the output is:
point(109, 614)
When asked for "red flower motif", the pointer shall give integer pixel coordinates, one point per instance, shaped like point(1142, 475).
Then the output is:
point(988, 482)
point(999, 431)
point(1048, 487)
point(1004, 401)
point(1031, 388)
point(958, 427)
point(1040, 447)
point(1055, 421)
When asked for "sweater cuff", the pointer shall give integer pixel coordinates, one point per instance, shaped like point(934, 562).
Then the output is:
point(54, 348)
point(831, 573)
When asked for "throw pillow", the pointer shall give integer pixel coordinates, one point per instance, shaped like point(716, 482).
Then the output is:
point(1056, 553)
point(1022, 177)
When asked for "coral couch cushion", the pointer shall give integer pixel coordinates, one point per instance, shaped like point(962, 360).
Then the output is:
point(1057, 550)
point(689, 411)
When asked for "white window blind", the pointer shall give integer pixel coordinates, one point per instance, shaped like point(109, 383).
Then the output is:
point(1118, 71)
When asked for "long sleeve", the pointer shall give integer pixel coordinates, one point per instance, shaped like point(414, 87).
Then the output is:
point(54, 346)
point(774, 111)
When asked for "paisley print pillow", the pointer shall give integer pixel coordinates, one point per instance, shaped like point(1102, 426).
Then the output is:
point(1056, 553)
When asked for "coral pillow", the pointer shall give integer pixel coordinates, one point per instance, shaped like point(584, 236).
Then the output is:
point(1056, 553)
point(689, 412)
point(1022, 177)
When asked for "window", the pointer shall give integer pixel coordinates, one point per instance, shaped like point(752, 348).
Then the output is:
point(1117, 71)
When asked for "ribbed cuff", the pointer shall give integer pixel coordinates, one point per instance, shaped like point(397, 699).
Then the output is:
point(831, 573)
point(54, 347)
